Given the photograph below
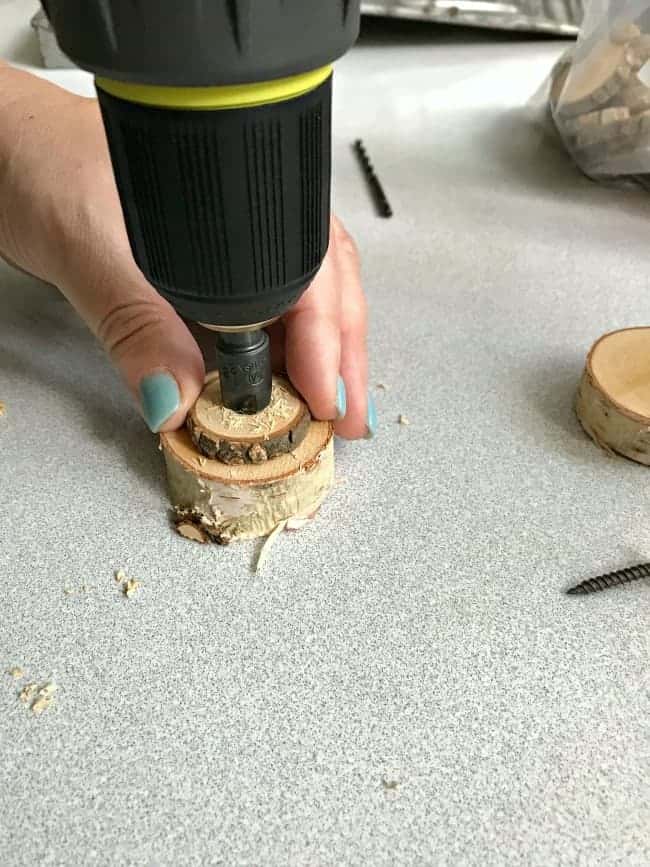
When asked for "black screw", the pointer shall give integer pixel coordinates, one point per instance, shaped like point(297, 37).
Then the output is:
point(611, 579)
point(381, 200)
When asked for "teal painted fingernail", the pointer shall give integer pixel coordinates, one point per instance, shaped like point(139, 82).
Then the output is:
point(372, 417)
point(341, 398)
point(160, 398)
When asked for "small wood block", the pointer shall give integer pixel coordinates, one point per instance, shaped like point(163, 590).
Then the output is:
point(234, 438)
point(192, 531)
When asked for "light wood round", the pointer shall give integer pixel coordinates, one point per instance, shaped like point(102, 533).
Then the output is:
point(234, 438)
point(613, 402)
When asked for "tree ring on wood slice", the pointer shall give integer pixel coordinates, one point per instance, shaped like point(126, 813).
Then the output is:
point(613, 402)
point(218, 502)
point(234, 438)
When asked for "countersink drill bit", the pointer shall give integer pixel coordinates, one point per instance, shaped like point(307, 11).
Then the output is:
point(611, 579)
point(379, 196)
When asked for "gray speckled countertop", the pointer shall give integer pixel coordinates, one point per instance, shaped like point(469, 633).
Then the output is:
point(417, 632)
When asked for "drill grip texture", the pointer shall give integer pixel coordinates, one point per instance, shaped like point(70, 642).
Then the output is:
point(227, 210)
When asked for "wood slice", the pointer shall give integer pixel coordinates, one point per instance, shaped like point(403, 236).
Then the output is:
point(619, 146)
point(623, 31)
point(235, 438)
point(636, 97)
point(613, 402)
point(219, 502)
point(637, 52)
point(604, 126)
point(599, 76)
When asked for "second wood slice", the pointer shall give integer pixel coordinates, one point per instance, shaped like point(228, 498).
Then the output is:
point(613, 402)
point(222, 434)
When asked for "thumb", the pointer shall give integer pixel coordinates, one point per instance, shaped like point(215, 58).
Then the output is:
point(146, 340)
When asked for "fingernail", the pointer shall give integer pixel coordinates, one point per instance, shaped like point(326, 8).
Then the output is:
point(372, 417)
point(341, 398)
point(160, 398)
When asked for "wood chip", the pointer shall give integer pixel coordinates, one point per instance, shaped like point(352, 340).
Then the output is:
point(41, 705)
point(266, 547)
point(120, 576)
point(191, 531)
point(390, 785)
point(85, 588)
point(402, 419)
point(130, 587)
point(16, 672)
point(28, 692)
point(382, 386)
point(47, 690)
point(296, 523)
point(3, 407)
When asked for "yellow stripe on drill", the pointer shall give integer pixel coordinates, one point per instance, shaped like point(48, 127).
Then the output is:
point(220, 97)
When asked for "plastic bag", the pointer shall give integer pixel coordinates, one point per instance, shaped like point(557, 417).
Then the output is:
point(599, 95)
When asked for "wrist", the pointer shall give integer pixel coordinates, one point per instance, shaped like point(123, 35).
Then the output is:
point(35, 131)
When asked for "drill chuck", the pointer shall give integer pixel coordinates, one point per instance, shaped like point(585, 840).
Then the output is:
point(227, 208)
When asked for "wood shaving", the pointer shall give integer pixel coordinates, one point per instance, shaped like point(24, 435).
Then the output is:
point(280, 408)
point(296, 523)
point(120, 576)
point(268, 543)
point(72, 591)
point(28, 692)
point(190, 531)
point(47, 690)
point(202, 461)
point(3, 407)
point(403, 420)
point(16, 672)
point(41, 705)
point(130, 587)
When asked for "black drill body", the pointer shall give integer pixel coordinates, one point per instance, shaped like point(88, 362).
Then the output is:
point(225, 192)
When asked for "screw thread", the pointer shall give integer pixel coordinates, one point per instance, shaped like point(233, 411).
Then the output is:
point(611, 579)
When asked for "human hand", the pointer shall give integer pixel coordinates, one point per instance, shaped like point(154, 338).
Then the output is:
point(61, 220)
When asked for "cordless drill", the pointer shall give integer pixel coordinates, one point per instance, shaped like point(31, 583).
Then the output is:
point(218, 120)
